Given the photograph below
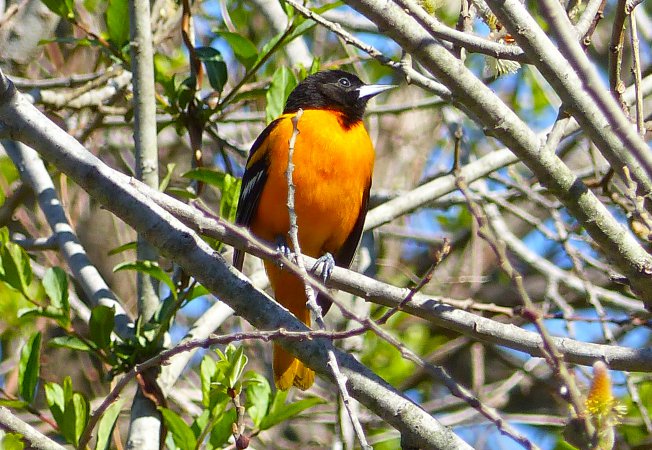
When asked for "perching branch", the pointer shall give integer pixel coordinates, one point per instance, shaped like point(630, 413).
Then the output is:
point(176, 241)
point(444, 312)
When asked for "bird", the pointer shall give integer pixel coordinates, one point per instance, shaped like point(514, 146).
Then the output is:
point(333, 163)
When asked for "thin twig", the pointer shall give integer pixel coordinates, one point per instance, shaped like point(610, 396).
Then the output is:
point(439, 256)
point(529, 311)
point(594, 15)
point(636, 69)
point(340, 379)
point(616, 84)
point(163, 357)
point(411, 75)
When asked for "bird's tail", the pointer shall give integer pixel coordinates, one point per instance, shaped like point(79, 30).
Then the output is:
point(290, 292)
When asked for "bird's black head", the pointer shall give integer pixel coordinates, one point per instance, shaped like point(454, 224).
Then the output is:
point(334, 90)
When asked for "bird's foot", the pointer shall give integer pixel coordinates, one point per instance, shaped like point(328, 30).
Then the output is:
point(283, 249)
point(324, 266)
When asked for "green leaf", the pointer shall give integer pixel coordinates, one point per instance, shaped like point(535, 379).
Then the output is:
point(123, 248)
point(63, 8)
point(12, 441)
point(29, 368)
point(101, 326)
point(258, 394)
point(283, 82)
point(207, 370)
point(107, 424)
point(167, 308)
point(243, 49)
point(67, 388)
point(75, 417)
point(71, 342)
point(228, 185)
point(201, 422)
point(117, 22)
point(55, 284)
point(29, 311)
point(280, 411)
point(229, 198)
point(152, 269)
point(163, 185)
point(215, 66)
point(181, 432)
point(206, 175)
point(16, 268)
point(55, 397)
point(238, 362)
point(223, 429)
point(198, 290)
point(8, 171)
point(13, 404)
point(181, 193)
point(49, 311)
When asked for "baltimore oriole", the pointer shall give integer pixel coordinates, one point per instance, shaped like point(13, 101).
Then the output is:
point(334, 159)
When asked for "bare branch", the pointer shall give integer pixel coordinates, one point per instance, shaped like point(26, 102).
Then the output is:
point(35, 439)
point(498, 119)
point(577, 82)
point(35, 175)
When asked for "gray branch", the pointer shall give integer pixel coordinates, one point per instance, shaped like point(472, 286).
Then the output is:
point(33, 172)
point(145, 422)
point(437, 311)
point(142, 62)
point(442, 311)
point(34, 438)
point(575, 79)
point(115, 191)
point(499, 120)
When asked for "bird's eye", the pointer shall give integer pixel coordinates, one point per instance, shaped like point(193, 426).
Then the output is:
point(344, 82)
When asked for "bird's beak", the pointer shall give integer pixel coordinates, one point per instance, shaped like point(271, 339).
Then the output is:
point(369, 90)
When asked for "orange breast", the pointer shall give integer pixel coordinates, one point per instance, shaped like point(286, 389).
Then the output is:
point(333, 170)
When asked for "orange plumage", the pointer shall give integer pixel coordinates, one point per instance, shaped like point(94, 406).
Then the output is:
point(333, 158)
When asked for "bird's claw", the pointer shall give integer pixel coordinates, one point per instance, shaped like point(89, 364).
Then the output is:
point(283, 249)
point(325, 264)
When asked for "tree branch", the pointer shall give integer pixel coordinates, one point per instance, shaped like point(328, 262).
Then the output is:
point(33, 172)
point(145, 421)
point(34, 438)
point(499, 120)
point(179, 243)
point(567, 68)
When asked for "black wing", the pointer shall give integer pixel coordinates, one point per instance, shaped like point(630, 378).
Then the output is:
point(345, 255)
point(253, 182)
